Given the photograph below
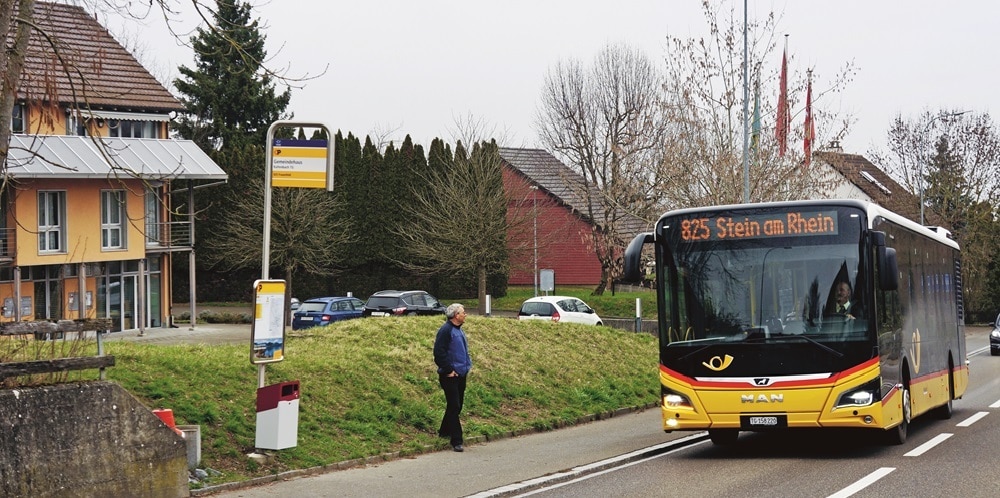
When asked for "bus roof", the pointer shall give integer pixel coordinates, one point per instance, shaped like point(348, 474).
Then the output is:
point(871, 209)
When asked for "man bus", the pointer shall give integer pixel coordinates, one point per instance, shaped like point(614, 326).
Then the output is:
point(754, 337)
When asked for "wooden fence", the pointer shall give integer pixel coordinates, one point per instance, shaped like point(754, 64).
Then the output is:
point(61, 330)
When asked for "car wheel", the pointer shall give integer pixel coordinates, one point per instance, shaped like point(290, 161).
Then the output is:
point(994, 352)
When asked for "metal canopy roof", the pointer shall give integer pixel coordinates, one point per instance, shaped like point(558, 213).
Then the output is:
point(62, 156)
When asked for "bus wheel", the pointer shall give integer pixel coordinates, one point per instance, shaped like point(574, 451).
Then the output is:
point(897, 435)
point(723, 437)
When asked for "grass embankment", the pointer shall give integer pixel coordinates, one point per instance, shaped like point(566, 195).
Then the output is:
point(369, 386)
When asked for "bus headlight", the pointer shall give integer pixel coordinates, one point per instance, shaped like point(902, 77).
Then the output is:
point(675, 400)
point(863, 395)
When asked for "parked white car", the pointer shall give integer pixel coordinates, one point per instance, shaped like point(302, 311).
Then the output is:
point(558, 309)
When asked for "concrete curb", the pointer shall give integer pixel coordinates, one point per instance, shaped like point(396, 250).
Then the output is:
point(386, 457)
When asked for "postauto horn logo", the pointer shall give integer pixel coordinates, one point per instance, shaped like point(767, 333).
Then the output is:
point(718, 364)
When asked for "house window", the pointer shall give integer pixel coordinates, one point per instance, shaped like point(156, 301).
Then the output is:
point(17, 119)
point(112, 219)
point(75, 125)
point(127, 128)
point(51, 213)
point(153, 225)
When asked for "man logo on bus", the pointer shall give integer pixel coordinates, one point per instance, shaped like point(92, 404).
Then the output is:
point(718, 364)
point(762, 398)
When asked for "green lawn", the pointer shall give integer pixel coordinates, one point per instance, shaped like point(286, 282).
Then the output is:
point(369, 386)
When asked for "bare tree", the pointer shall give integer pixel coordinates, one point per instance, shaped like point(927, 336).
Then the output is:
point(972, 138)
point(704, 104)
point(606, 122)
point(459, 225)
point(308, 231)
point(951, 161)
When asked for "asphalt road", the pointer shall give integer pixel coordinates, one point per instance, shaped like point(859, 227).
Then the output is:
point(487, 468)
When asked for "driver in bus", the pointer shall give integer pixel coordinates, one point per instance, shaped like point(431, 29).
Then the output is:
point(844, 306)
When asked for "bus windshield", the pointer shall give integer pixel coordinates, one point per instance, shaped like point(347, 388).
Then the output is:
point(766, 290)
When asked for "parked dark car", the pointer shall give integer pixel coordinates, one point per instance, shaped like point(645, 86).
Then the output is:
point(399, 303)
point(326, 310)
point(995, 338)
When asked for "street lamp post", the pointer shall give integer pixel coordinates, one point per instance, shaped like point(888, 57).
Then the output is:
point(534, 230)
point(943, 116)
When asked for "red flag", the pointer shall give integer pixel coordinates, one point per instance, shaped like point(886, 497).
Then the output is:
point(810, 129)
point(783, 115)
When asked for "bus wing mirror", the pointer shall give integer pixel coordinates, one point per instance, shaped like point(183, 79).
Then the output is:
point(632, 272)
point(888, 268)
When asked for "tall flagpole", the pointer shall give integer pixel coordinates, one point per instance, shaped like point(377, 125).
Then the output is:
point(746, 118)
point(782, 121)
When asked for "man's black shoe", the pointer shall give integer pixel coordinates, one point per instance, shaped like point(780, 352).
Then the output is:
point(458, 448)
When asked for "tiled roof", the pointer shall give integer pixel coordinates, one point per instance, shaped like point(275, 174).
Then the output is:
point(101, 73)
point(876, 184)
point(565, 185)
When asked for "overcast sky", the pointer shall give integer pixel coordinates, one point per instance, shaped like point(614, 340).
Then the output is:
point(417, 66)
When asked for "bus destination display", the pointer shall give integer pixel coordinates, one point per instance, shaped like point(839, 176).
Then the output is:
point(759, 226)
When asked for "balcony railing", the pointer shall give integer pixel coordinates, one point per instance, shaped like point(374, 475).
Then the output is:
point(168, 236)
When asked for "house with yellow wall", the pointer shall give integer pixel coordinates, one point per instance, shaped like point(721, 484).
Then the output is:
point(97, 200)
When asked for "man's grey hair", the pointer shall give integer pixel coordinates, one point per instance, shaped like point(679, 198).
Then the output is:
point(453, 310)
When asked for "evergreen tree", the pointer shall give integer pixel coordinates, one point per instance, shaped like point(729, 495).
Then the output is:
point(230, 96)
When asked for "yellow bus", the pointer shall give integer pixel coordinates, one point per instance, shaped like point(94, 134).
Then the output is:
point(777, 316)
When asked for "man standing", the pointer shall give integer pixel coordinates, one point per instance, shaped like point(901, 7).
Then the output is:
point(451, 354)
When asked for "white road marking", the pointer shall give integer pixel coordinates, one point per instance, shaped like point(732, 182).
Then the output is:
point(971, 420)
point(920, 450)
point(863, 483)
point(616, 463)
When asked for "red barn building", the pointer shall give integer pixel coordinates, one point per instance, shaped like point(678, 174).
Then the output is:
point(548, 226)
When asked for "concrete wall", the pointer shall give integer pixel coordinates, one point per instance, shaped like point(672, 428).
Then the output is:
point(86, 440)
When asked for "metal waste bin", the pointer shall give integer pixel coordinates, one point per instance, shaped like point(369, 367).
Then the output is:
point(278, 416)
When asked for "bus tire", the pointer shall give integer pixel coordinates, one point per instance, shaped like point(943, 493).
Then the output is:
point(897, 435)
point(723, 437)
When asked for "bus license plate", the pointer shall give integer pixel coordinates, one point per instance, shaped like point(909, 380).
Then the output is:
point(763, 421)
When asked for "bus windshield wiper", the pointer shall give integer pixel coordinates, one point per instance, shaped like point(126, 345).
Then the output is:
point(783, 338)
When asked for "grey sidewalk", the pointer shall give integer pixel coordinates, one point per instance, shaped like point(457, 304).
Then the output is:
point(211, 333)
point(483, 466)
